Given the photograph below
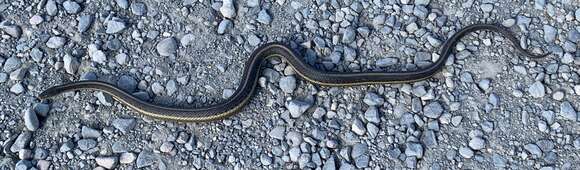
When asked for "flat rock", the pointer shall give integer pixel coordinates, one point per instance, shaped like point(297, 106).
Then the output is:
point(115, 25)
point(433, 110)
point(145, 159)
point(71, 7)
point(167, 47)
point(107, 162)
point(124, 125)
point(55, 42)
point(297, 107)
point(567, 111)
point(228, 9)
point(85, 22)
point(12, 64)
point(537, 90)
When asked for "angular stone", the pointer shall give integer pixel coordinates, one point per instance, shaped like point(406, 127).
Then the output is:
point(433, 110)
point(297, 107)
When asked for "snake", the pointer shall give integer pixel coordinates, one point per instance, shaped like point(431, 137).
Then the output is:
point(252, 71)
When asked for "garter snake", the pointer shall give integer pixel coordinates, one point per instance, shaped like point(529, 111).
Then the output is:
point(251, 74)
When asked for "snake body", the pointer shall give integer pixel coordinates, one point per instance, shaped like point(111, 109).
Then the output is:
point(251, 74)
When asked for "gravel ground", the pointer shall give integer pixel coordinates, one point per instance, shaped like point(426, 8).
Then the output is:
point(489, 108)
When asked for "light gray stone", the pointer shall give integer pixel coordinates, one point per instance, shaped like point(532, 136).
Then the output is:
point(254, 40)
point(66, 146)
point(348, 35)
point(108, 162)
point(171, 87)
point(51, 8)
point(85, 22)
point(265, 160)
point(412, 27)
point(466, 152)
point(138, 8)
point(372, 115)
point(358, 150)
point(124, 4)
point(253, 3)
point(534, 150)
point(36, 54)
point(429, 139)
point(87, 132)
point(96, 54)
point(17, 88)
point(294, 138)
point(167, 47)
point(127, 158)
point(433, 110)
point(537, 90)
point(414, 149)
point(486, 7)
point(277, 133)
point(386, 62)
point(228, 9)
point(124, 125)
point(477, 143)
point(264, 17)
point(115, 25)
point(86, 144)
point(71, 7)
point(422, 2)
point(71, 64)
point(539, 4)
point(21, 141)
point(31, 120)
point(166, 147)
point(297, 107)
point(372, 99)
point(577, 14)
point(224, 25)
point(550, 33)
point(145, 159)
point(55, 42)
point(567, 111)
point(12, 64)
point(358, 127)
point(13, 30)
point(294, 154)
point(288, 84)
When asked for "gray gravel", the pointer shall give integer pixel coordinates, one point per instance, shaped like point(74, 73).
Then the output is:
point(489, 107)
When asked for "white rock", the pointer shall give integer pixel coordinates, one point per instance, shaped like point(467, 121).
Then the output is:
point(167, 47)
point(71, 64)
point(96, 54)
point(107, 162)
point(55, 42)
point(228, 10)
